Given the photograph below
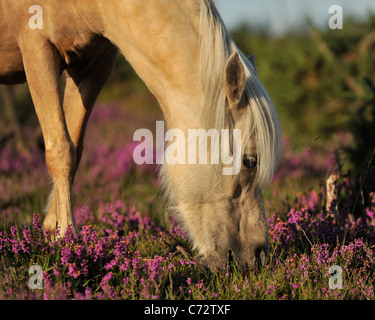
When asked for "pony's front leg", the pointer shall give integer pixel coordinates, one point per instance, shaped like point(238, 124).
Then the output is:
point(80, 94)
point(43, 69)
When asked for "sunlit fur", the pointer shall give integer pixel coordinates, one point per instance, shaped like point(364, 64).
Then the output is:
point(182, 51)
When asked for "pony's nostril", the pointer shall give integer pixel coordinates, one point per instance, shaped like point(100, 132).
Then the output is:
point(260, 257)
point(230, 256)
point(258, 252)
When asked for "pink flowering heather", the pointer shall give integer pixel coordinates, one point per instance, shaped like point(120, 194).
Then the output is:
point(129, 248)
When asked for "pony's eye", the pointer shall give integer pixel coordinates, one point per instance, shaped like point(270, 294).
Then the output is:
point(249, 162)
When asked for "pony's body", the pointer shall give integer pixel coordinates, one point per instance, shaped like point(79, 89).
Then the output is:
point(182, 51)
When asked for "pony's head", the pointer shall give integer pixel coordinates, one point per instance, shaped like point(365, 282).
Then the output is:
point(248, 108)
point(225, 213)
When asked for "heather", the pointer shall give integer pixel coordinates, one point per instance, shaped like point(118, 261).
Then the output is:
point(121, 253)
point(130, 246)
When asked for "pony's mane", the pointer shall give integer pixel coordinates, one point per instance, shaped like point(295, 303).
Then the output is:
point(216, 46)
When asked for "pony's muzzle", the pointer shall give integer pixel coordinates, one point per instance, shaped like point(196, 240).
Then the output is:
point(259, 259)
point(253, 260)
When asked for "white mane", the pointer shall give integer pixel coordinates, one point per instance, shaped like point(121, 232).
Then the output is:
point(216, 47)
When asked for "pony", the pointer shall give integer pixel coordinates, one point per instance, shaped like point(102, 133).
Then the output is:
point(184, 53)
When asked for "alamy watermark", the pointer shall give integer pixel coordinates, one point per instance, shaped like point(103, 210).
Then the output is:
point(334, 22)
point(336, 280)
point(36, 20)
point(191, 149)
point(36, 277)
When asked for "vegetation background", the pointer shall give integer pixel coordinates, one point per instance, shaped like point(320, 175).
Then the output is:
point(323, 85)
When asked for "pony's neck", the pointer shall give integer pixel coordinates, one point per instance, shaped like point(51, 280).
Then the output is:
point(162, 44)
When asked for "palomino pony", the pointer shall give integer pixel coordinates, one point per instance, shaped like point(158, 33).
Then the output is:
point(187, 58)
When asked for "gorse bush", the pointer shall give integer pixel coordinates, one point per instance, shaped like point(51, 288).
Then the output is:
point(316, 79)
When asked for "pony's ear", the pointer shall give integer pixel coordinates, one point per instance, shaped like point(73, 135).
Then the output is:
point(234, 80)
point(252, 60)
